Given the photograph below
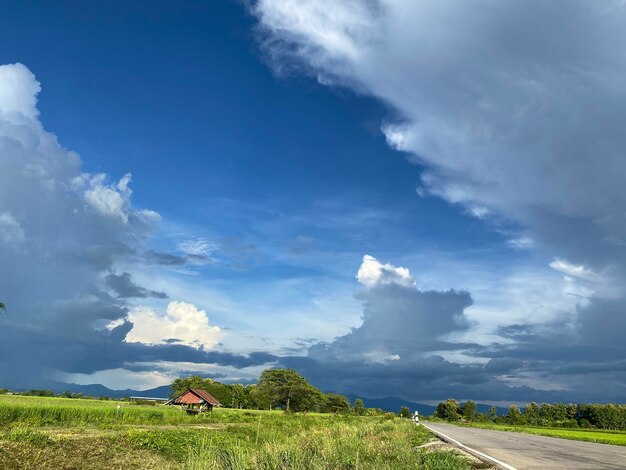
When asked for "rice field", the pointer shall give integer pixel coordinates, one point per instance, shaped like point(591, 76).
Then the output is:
point(47, 433)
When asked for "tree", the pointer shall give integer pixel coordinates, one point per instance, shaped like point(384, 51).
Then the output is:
point(448, 410)
point(359, 407)
point(220, 391)
point(334, 403)
point(287, 389)
point(405, 412)
point(493, 413)
point(469, 410)
point(237, 396)
point(180, 385)
point(514, 416)
point(258, 399)
point(532, 414)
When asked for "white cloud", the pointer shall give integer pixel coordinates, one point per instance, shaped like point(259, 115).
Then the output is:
point(18, 93)
point(372, 273)
point(10, 229)
point(508, 108)
point(61, 232)
point(521, 243)
point(182, 323)
point(577, 271)
point(480, 212)
point(199, 247)
point(111, 200)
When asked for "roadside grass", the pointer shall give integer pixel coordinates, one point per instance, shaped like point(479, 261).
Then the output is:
point(602, 436)
point(47, 433)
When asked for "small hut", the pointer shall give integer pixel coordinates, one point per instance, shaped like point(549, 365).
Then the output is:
point(194, 401)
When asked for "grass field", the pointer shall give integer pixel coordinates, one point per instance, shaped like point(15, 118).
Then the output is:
point(59, 433)
point(590, 435)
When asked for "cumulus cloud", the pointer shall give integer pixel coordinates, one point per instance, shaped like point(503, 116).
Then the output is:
point(18, 94)
point(64, 234)
point(182, 323)
point(372, 273)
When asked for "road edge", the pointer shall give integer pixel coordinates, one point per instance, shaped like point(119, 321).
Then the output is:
point(476, 453)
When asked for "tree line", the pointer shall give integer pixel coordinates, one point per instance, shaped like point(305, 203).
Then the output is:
point(601, 416)
point(283, 389)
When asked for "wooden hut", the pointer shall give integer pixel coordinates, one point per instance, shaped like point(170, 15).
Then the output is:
point(194, 400)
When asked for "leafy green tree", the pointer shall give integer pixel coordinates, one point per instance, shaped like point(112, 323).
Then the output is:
point(334, 403)
point(514, 416)
point(287, 389)
point(237, 396)
point(219, 390)
point(572, 411)
point(405, 412)
point(546, 413)
point(448, 410)
point(181, 384)
point(468, 410)
point(359, 407)
point(257, 399)
point(532, 414)
point(493, 413)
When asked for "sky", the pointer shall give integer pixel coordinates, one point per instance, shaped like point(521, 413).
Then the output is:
point(394, 197)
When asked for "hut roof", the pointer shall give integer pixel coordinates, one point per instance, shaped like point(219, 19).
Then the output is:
point(201, 396)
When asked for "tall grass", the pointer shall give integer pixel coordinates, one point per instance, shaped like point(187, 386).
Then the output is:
point(37, 411)
point(311, 443)
point(245, 439)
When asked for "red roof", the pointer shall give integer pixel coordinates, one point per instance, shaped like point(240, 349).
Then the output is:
point(202, 395)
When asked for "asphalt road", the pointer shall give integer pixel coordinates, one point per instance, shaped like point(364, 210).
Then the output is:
point(526, 451)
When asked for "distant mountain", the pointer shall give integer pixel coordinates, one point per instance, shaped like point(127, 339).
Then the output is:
point(394, 404)
point(98, 390)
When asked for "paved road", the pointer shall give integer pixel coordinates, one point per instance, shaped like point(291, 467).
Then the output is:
point(526, 451)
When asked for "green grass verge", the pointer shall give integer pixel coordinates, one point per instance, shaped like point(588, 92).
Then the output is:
point(602, 436)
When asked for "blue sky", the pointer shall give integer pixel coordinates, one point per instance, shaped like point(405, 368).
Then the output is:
point(313, 184)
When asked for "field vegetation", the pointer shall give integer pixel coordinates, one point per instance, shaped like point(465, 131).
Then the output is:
point(603, 423)
point(72, 433)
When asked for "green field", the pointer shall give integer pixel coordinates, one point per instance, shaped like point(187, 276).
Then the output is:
point(63, 433)
point(602, 436)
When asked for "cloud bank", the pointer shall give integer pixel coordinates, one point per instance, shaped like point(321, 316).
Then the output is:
point(64, 236)
point(513, 111)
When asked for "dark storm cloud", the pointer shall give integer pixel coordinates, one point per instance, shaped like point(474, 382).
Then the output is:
point(399, 321)
point(62, 234)
point(165, 259)
point(125, 288)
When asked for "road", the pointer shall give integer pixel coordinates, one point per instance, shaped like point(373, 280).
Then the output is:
point(526, 451)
